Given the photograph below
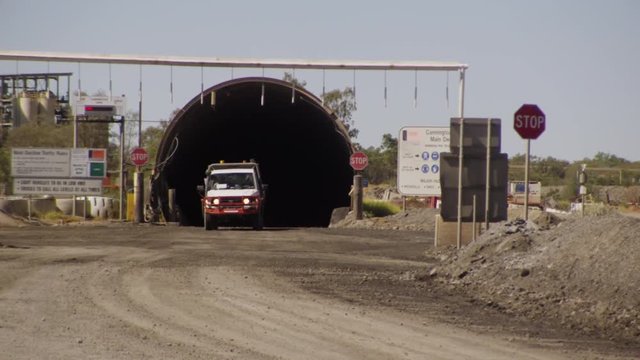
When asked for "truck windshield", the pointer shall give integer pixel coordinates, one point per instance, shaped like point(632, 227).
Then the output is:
point(231, 181)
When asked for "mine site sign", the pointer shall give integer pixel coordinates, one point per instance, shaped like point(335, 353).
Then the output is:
point(529, 121)
point(51, 171)
point(359, 161)
point(419, 150)
point(59, 163)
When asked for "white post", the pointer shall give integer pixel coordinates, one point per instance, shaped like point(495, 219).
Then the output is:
point(526, 181)
point(473, 234)
point(460, 158)
point(487, 178)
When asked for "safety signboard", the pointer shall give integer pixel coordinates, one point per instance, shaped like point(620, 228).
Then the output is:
point(39, 186)
point(419, 151)
point(59, 163)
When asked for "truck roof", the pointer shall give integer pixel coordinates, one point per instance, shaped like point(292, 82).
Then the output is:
point(249, 166)
point(231, 171)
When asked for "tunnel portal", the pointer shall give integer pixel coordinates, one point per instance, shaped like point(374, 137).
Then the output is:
point(302, 148)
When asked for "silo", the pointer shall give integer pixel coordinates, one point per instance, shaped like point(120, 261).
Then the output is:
point(27, 109)
point(46, 107)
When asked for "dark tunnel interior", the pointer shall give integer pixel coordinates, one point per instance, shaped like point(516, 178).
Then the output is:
point(303, 151)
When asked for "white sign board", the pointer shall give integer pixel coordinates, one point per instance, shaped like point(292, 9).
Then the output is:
point(119, 103)
point(40, 162)
point(419, 151)
point(59, 163)
point(40, 186)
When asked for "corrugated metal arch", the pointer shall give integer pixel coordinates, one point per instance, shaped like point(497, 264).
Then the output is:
point(302, 147)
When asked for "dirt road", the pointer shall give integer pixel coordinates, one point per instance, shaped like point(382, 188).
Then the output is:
point(134, 292)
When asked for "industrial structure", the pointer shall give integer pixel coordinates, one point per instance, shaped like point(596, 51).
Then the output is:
point(37, 98)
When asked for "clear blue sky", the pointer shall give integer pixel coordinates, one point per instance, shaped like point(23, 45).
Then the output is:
point(578, 60)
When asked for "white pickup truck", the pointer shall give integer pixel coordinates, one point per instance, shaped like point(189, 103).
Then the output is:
point(233, 195)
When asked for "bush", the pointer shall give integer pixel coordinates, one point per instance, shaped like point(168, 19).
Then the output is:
point(58, 216)
point(379, 208)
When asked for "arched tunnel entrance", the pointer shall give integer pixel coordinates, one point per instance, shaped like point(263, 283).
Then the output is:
point(302, 149)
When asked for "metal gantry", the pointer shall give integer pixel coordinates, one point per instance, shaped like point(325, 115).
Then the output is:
point(290, 64)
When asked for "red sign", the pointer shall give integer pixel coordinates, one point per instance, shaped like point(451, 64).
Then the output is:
point(139, 156)
point(529, 121)
point(359, 161)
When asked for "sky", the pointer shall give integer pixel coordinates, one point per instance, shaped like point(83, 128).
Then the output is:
point(577, 60)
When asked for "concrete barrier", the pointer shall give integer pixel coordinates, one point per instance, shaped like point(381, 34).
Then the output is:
point(19, 206)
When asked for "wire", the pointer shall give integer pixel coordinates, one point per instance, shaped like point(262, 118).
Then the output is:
point(172, 150)
point(323, 86)
point(293, 87)
point(385, 88)
point(110, 84)
point(171, 83)
point(201, 85)
point(415, 90)
point(447, 90)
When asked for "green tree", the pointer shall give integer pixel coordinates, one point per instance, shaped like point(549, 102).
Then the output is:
point(382, 161)
point(151, 138)
point(288, 77)
point(42, 135)
point(343, 104)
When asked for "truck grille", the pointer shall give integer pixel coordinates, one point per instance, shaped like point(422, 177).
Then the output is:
point(230, 200)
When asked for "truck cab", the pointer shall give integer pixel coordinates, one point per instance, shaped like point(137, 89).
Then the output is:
point(233, 195)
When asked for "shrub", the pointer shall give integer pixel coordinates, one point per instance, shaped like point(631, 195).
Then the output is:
point(379, 208)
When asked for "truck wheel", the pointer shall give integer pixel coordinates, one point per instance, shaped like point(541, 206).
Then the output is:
point(209, 222)
point(258, 222)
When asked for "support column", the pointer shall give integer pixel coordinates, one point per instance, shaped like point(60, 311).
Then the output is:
point(357, 192)
point(138, 190)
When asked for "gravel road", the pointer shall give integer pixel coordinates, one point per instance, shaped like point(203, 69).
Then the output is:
point(118, 291)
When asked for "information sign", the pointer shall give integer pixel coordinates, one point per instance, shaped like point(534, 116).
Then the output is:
point(39, 186)
point(419, 151)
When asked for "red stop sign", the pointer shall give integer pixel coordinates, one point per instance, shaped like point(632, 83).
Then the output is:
point(358, 161)
point(529, 121)
point(139, 156)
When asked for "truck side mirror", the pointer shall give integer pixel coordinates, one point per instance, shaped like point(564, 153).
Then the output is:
point(200, 189)
point(265, 187)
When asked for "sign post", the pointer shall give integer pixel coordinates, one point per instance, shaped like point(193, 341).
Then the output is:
point(529, 122)
point(139, 157)
point(358, 162)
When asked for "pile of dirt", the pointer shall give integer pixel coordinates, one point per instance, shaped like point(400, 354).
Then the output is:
point(583, 273)
point(413, 220)
point(7, 220)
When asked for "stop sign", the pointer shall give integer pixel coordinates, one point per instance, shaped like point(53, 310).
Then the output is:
point(139, 156)
point(359, 161)
point(529, 121)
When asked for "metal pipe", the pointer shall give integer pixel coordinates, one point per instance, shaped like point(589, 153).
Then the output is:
point(231, 62)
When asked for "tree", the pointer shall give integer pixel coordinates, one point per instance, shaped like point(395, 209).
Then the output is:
point(151, 138)
point(383, 161)
point(288, 77)
point(343, 104)
point(41, 135)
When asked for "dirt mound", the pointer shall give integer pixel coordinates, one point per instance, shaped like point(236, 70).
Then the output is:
point(582, 272)
point(414, 220)
point(7, 220)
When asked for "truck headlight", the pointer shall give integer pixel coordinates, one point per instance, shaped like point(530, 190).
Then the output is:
point(246, 201)
point(216, 201)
